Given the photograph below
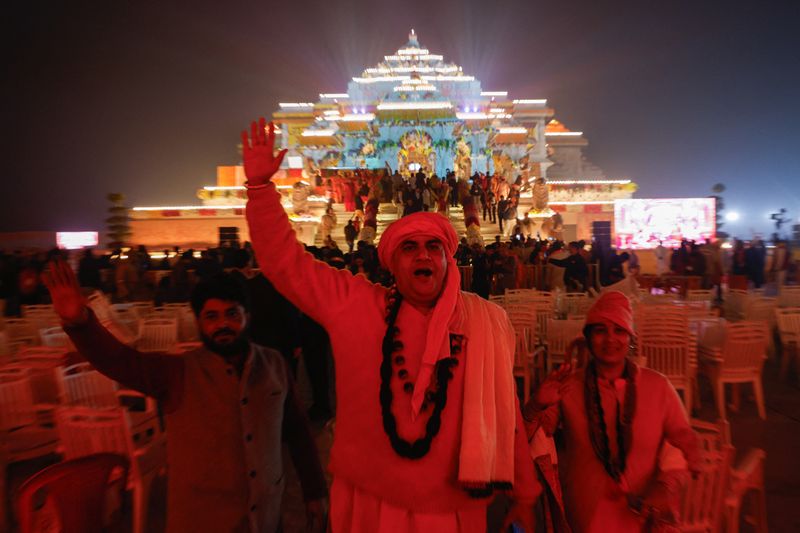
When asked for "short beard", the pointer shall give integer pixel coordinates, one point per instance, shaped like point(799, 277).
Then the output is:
point(240, 345)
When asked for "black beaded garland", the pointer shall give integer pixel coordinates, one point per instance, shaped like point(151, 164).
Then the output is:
point(438, 395)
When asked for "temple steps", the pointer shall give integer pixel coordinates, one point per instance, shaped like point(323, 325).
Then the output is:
point(387, 213)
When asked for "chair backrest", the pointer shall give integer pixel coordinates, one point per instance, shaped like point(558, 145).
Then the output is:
point(157, 334)
point(712, 436)
point(99, 303)
point(56, 337)
point(761, 308)
point(80, 384)
point(142, 308)
point(42, 353)
point(666, 353)
point(789, 296)
point(163, 312)
point(736, 301)
point(788, 322)
point(654, 320)
point(187, 323)
point(16, 399)
point(703, 295)
point(575, 303)
point(21, 330)
point(499, 299)
point(85, 431)
point(745, 345)
point(521, 347)
point(703, 496)
point(74, 494)
point(36, 308)
point(560, 333)
point(696, 308)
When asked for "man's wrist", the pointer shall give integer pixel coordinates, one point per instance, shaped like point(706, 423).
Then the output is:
point(79, 321)
point(256, 184)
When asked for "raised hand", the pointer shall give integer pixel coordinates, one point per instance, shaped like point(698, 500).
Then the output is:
point(258, 153)
point(68, 302)
point(549, 391)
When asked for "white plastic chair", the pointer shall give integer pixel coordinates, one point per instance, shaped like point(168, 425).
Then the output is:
point(524, 360)
point(81, 385)
point(23, 435)
point(746, 476)
point(669, 354)
point(101, 306)
point(560, 334)
point(157, 334)
point(739, 359)
point(700, 295)
point(56, 337)
point(789, 296)
point(85, 431)
point(703, 497)
point(21, 332)
point(788, 322)
point(575, 303)
point(736, 301)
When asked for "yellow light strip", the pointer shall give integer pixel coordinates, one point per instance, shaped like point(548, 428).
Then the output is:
point(541, 101)
point(473, 116)
point(494, 93)
point(596, 202)
point(187, 207)
point(378, 79)
point(588, 182)
point(563, 133)
point(317, 133)
point(362, 117)
point(414, 105)
point(413, 52)
point(512, 130)
point(448, 78)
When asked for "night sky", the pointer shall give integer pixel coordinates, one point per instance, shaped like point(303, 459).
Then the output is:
point(146, 98)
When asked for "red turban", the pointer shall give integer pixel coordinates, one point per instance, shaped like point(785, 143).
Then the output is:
point(613, 306)
point(415, 225)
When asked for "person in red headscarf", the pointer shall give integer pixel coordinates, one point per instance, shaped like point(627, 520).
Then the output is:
point(616, 420)
point(427, 418)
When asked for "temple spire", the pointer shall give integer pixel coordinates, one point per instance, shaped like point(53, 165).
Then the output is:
point(412, 38)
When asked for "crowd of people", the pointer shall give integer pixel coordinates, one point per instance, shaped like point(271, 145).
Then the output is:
point(406, 342)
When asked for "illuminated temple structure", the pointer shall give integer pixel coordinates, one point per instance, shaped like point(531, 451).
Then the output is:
point(412, 111)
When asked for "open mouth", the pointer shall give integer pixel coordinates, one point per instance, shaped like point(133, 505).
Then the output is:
point(423, 272)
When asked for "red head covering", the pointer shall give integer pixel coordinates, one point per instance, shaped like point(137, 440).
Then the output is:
point(613, 306)
point(437, 341)
point(415, 225)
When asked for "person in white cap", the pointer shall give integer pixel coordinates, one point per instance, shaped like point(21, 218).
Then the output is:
point(427, 419)
point(616, 420)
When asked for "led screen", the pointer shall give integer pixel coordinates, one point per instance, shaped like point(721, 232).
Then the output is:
point(73, 240)
point(642, 223)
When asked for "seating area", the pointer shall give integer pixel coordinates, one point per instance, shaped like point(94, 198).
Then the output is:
point(55, 407)
point(713, 355)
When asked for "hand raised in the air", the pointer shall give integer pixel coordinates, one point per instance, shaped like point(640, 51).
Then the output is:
point(549, 391)
point(258, 153)
point(68, 302)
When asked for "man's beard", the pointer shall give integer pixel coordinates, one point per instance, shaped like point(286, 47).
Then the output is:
point(238, 346)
